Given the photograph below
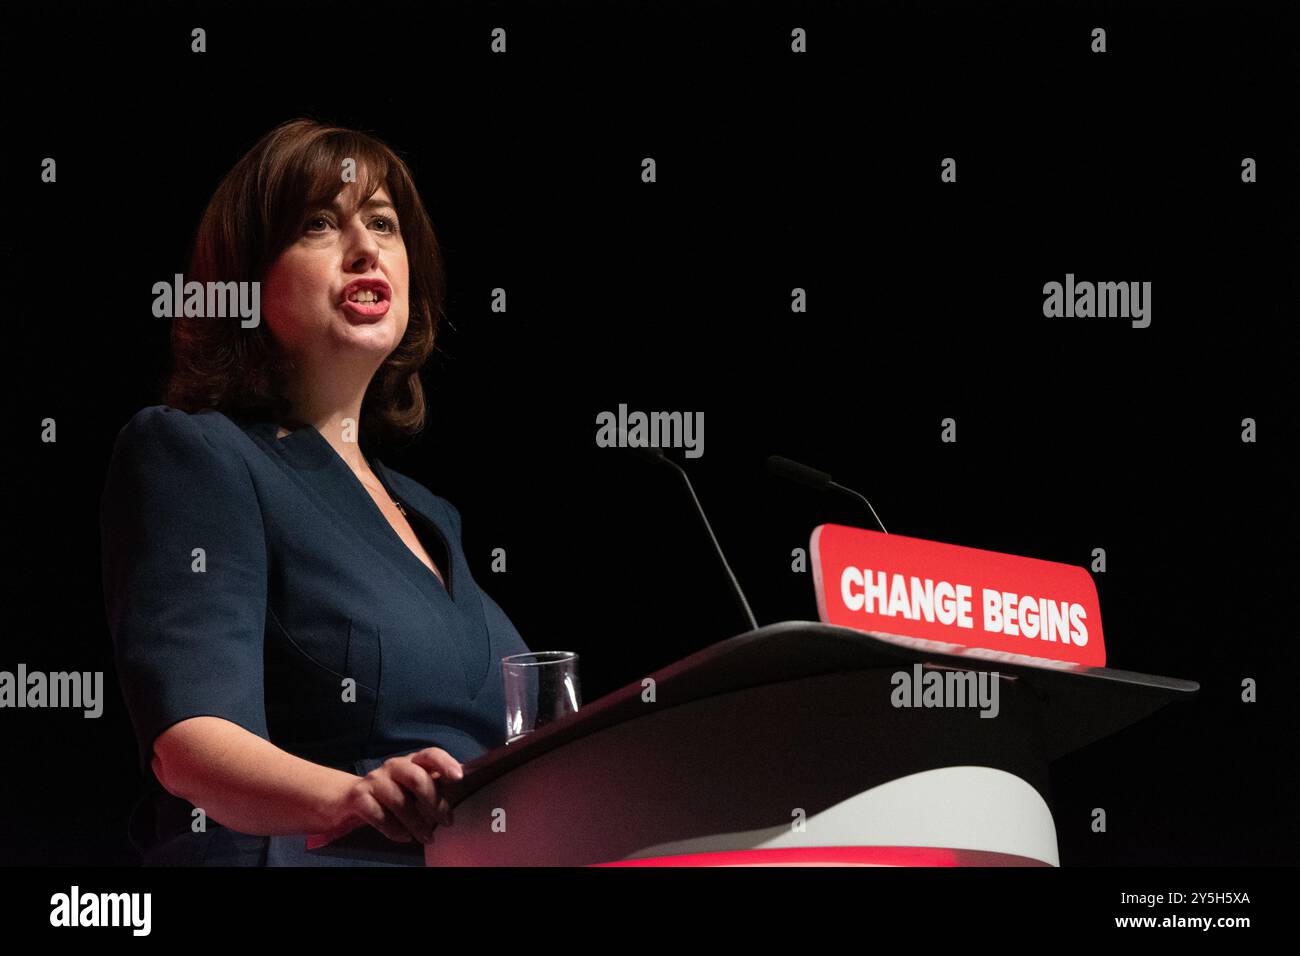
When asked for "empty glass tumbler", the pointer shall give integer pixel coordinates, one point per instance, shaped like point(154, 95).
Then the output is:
point(541, 687)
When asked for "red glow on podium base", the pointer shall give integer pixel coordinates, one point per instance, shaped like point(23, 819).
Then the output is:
point(837, 856)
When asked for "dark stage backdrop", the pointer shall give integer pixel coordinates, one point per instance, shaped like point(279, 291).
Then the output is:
point(774, 171)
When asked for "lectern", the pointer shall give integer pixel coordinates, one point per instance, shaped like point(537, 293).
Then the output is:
point(781, 746)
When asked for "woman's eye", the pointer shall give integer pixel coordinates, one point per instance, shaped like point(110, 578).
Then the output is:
point(389, 224)
point(310, 224)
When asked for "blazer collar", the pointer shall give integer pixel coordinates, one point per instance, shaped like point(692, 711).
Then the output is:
point(330, 480)
point(305, 448)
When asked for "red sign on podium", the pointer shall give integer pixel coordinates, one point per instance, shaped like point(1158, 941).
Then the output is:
point(983, 603)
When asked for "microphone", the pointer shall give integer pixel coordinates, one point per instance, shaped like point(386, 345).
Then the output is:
point(654, 456)
point(803, 475)
point(657, 457)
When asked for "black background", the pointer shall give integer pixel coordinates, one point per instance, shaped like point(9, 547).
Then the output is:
point(775, 171)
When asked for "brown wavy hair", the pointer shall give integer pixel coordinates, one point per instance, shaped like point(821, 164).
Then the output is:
point(254, 215)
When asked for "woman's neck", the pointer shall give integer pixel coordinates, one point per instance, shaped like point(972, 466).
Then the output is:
point(334, 410)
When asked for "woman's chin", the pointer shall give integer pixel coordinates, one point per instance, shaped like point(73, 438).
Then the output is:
point(379, 336)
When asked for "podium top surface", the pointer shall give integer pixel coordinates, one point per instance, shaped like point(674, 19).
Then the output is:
point(1082, 704)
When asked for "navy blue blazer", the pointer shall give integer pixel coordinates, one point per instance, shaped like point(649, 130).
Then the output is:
point(304, 619)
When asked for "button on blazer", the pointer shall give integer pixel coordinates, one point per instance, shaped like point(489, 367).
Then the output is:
point(253, 578)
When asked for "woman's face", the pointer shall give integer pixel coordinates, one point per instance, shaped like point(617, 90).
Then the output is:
point(338, 293)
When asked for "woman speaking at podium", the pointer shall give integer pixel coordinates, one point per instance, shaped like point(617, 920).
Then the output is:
point(300, 643)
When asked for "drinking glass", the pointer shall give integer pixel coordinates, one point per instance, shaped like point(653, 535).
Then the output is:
point(541, 687)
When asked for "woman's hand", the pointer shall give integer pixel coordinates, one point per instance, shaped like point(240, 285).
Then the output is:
point(400, 798)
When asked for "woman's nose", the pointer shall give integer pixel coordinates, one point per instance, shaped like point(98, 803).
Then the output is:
point(363, 250)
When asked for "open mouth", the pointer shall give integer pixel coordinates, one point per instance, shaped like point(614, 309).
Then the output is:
point(367, 298)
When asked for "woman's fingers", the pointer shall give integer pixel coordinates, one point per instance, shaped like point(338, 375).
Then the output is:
point(373, 812)
point(437, 759)
point(396, 826)
point(402, 798)
point(418, 782)
point(398, 802)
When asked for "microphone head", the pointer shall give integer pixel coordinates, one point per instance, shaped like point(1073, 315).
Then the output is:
point(653, 455)
point(793, 471)
point(648, 453)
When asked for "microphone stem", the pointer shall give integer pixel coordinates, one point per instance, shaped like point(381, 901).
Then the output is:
point(699, 509)
point(859, 494)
